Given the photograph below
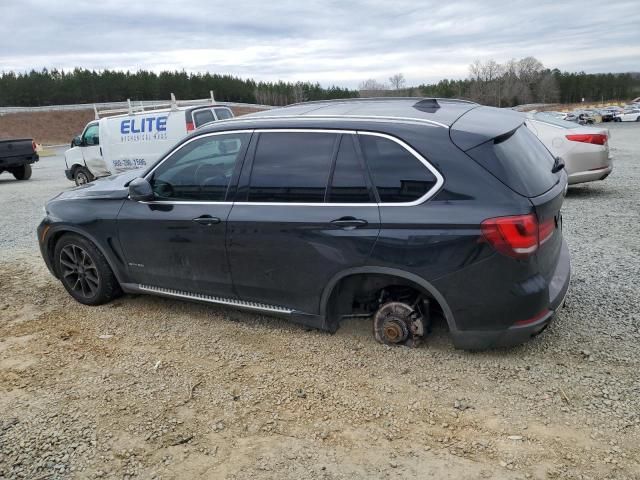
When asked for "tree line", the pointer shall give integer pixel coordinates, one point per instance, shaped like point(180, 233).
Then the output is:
point(59, 87)
point(527, 80)
point(512, 83)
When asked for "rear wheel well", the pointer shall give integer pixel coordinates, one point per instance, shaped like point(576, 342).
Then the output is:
point(363, 293)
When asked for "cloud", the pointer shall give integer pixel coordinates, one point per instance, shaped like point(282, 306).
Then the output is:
point(333, 42)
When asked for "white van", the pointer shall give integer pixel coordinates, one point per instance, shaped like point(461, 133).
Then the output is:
point(114, 144)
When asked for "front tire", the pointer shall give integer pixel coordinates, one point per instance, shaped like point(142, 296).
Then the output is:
point(82, 175)
point(23, 172)
point(84, 271)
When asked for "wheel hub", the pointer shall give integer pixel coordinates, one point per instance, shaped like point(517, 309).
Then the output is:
point(79, 272)
point(395, 330)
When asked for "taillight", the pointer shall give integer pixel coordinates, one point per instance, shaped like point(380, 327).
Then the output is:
point(190, 127)
point(546, 229)
point(33, 145)
point(517, 236)
point(595, 138)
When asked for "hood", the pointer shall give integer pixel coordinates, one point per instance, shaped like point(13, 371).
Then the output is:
point(114, 186)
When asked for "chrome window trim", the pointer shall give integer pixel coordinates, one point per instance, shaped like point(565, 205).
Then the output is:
point(432, 191)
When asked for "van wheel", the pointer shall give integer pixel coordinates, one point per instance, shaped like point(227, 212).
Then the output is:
point(82, 175)
point(84, 271)
point(22, 173)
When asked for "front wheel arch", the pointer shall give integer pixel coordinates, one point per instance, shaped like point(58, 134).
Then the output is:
point(54, 235)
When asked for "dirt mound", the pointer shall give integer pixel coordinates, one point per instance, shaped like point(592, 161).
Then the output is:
point(59, 127)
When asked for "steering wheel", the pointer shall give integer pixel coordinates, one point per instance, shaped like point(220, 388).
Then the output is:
point(162, 188)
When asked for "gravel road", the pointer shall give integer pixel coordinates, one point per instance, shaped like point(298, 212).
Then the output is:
point(154, 388)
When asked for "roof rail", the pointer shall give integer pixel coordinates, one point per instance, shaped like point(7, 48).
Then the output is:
point(151, 105)
point(380, 99)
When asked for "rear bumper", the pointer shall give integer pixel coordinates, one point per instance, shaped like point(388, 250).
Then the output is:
point(517, 334)
point(18, 161)
point(590, 175)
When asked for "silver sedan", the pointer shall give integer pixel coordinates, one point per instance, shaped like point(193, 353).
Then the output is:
point(584, 150)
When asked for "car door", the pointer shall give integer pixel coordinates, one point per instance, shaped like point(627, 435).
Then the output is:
point(305, 211)
point(92, 152)
point(177, 241)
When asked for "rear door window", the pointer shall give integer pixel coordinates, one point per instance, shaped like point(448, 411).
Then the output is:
point(291, 167)
point(348, 184)
point(519, 160)
point(398, 175)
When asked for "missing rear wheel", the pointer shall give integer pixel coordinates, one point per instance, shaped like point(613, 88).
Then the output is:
point(398, 323)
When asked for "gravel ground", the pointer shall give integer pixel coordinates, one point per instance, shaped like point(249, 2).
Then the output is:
point(154, 388)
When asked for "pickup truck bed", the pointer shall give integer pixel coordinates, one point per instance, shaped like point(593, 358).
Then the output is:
point(16, 157)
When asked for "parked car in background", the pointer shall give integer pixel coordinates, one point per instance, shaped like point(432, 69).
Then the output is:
point(17, 156)
point(398, 209)
point(631, 115)
point(606, 114)
point(584, 150)
point(133, 140)
point(581, 117)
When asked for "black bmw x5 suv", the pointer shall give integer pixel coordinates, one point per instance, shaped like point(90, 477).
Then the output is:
point(402, 209)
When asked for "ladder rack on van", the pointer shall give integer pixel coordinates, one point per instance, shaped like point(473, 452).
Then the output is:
point(152, 105)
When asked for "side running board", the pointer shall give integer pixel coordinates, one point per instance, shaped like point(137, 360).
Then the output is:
point(218, 300)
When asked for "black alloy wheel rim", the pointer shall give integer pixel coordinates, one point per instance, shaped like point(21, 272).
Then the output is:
point(79, 271)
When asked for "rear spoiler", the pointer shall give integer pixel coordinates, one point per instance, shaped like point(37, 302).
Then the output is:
point(482, 124)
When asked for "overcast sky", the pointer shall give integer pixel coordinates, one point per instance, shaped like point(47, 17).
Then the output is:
point(333, 42)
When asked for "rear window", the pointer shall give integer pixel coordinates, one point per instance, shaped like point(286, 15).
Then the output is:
point(519, 160)
point(223, 113)
point(200, 117)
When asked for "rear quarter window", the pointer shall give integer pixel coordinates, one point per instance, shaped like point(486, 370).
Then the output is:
point(399, 177)
point(519, 160)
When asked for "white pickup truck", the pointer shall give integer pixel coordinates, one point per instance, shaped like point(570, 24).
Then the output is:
point(134, 140)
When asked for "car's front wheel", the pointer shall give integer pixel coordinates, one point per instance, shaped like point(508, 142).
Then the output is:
point(84, 271)
point(82, 175)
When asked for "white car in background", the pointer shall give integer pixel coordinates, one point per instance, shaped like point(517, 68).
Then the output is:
point(584, 150)
point(632, 115)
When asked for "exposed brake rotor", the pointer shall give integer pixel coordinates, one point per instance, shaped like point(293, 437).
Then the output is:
point(397, 323)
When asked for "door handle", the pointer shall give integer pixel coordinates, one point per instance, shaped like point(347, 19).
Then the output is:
point(349, 223)
point(207, 220)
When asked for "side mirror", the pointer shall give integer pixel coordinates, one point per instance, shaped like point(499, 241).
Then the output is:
point(77, 141)
point(140, 190)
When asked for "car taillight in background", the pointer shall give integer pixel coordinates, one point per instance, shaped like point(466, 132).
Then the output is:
point(594, 138)
point(33, 145)
point(190, 127)
point(517, 236)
